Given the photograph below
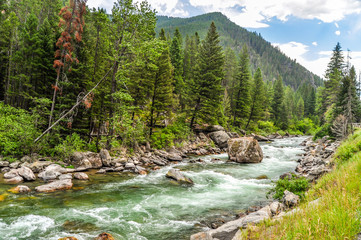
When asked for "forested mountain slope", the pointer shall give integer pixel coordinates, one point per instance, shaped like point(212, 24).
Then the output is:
point(262, 54)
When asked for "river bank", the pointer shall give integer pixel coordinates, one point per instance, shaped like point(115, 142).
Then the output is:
point(150, 206)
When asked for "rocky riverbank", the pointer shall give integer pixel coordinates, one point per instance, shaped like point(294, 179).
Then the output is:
point(315, 162)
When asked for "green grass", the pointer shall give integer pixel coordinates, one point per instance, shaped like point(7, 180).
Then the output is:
point(337, 216)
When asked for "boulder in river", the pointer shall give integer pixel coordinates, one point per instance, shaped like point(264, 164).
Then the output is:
point(220, 138)
point(244, 150)
point(4, 164)
point(56, 185)
point(11, 174)
point(178, 176)
point(39, 166)
point(52, 172)
point(14, 180)
point(81, 176)
point(26, 173)
point(86, 159)
point(105, 236)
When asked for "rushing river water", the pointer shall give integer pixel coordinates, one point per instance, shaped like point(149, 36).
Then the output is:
point(147, 207)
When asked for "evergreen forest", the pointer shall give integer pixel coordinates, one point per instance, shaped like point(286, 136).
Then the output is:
point(74, 78)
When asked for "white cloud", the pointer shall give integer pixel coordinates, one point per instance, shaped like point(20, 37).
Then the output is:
point(173, 8)
point(336, 24)
point(256, 13)
point(338, 33)
point(318, 64)
point(314, 44)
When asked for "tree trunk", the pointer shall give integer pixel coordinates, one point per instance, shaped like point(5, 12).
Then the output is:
point(196, 108)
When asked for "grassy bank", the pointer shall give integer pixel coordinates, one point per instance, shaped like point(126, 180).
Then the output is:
point(337, 214)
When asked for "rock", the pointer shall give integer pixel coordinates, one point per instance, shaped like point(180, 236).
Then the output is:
point(105, 157)
point(81, 176)
point(290, 199)
point(26, 173)
point(39, 166)
point(233, 135)
point(56, 185)
point(4, 164)
point(52, 172)
point(26, 159)
point(260, 138)
point(20, 189)
point(86, 159)
point(129, 166)
point(275, 208)
point(286, 175)
point(11, 174)
point(244, 150)
point(68, 238)
point(139, 169)
point(220, 138)
point(15, 164)
point(178, 176)
point(105, 236)
point(214, 128)
point(5, 169)
point(66, 176)
point(101, 171)
point(262, 177)
point(174, 157)
point(201, 236)
point(14, 180)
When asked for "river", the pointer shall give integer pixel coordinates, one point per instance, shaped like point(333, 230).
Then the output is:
point(147, 207)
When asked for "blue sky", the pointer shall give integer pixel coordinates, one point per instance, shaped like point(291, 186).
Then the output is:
point(305, 30)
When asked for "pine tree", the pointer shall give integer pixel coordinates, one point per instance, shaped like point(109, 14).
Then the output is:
point(241, 91)
point(207, 87)
point(278, 108)
point(177, 62)
point(257, 98)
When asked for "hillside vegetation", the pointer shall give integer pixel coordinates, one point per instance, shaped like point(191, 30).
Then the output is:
point(262, 54)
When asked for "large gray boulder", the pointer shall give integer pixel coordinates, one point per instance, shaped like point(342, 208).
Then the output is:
point(175, 174)
point(39, 166)
point(105, 157)
point(244, 150)
point(11, 174)
point(86, 159)
point(26, 173)
point(55, 186)
point(52, 172)
point(220, 138)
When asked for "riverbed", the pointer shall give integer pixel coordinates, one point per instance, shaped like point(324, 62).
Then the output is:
point(150, 207)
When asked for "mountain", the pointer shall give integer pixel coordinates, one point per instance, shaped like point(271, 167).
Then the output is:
point(262, 54)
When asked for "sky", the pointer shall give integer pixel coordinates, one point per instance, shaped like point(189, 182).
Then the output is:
point(305, 30)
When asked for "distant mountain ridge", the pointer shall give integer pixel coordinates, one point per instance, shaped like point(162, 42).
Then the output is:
point(262, 54)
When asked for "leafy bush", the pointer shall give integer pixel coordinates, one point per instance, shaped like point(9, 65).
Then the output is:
point(267, 127)
point(304, 126)
point(322, 131)
point(17, 131)
point(167, 136)
point(297, 185)
point(70, 144)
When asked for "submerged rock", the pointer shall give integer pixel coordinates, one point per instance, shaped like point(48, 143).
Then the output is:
point(178, 176)
point(244, 150)
point(56, 185)
point(20, 189)
point(262, 177)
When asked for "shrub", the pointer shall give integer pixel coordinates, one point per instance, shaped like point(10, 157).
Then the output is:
point(72, 143)
point(297, 185)
point(167, 136)
point(267, 127)
point(17, 131)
